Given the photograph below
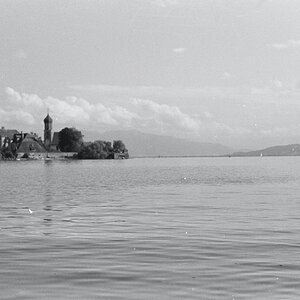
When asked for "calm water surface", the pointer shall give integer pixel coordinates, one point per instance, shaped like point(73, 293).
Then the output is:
point(184, 228)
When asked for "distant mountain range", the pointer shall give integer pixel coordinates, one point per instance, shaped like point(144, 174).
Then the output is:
point(284, 150)
point(142, 144)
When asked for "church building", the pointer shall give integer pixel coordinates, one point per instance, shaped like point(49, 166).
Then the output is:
point(51, 143)
point(47, 131)
point(14, 144)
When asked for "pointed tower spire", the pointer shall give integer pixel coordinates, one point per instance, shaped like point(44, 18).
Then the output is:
point(47, 131)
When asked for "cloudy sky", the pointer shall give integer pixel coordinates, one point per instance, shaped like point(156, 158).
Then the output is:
point(225, 71)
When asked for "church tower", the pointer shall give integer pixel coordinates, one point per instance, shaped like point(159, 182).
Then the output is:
point(47, 131)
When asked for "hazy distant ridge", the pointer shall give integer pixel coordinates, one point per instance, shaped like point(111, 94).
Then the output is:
point(143, 144)
point(282, 150)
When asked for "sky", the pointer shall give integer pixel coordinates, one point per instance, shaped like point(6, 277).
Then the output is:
point(220, 71)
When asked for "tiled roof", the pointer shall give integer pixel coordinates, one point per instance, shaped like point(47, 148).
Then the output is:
point(31, 144)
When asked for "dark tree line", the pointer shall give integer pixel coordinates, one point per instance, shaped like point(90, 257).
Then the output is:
point(102, 150)
point(96, 150)
point(71, 140)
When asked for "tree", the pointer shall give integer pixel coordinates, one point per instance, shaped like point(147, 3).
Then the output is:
point(105, 146)
point(102, 150)
point(96, 150)
point(119, 147)
point(70, 140)
point(8, 149)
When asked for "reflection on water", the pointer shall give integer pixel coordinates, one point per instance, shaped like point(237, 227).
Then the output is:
point(150, 228)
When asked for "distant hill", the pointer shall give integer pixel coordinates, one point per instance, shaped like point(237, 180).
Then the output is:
point(284, 150)
point(142, 144)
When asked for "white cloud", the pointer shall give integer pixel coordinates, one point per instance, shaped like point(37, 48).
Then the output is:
point(16, 98)
point(277, 83)
point(179, 50)
point(165, 115)
point(23, 116)
point(21, 54)
point(208, 115)
point(164, 3)
point(18, 116)
point(204, 121)
point(30, 109)
point(71, 111)
point(286, 45)
point(227, 76)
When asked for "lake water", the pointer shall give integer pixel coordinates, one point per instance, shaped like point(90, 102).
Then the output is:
point(168, 228)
